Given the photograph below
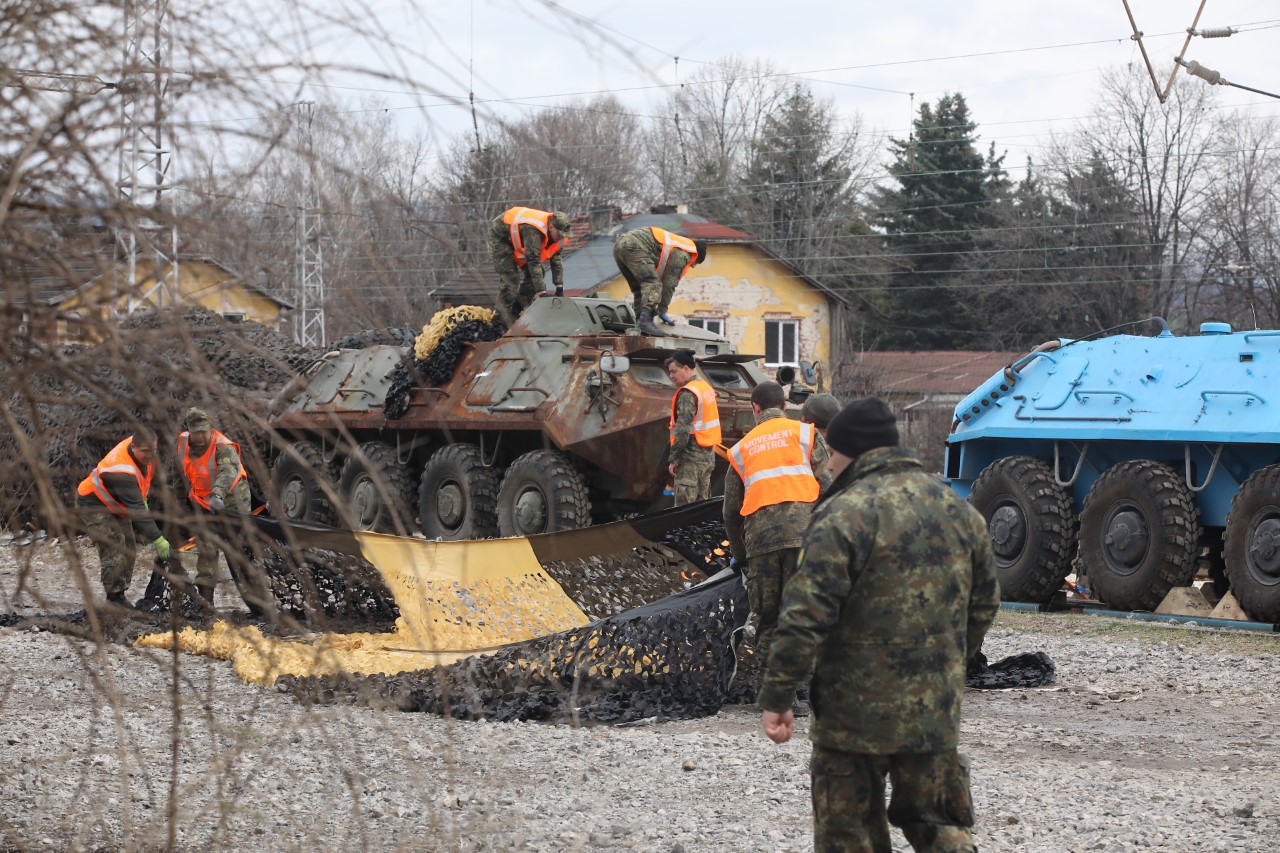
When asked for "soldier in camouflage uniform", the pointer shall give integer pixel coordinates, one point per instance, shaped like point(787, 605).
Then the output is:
point(225, 487)
point(639, 254)
point(895, 589)
point(521, 284)
point(767, 539)
point(693, 455)
point(112, 505)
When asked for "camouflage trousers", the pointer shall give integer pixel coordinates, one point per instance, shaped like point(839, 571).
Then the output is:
point(117, 548)
point(515, 287)
point(767, 574)
point(208, 546)
point(931, 801)
point(693, 478)
point(635, 262)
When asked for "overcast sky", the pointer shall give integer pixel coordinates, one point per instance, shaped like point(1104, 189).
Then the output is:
point(1027, 67)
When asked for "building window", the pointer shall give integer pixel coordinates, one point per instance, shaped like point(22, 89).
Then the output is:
point(234, 318)
point(781, 339)
point(714, 326)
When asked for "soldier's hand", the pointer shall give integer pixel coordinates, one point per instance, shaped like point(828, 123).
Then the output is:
point(779, 726)
point(162, 548)
point(216, 504)
point(673, 468)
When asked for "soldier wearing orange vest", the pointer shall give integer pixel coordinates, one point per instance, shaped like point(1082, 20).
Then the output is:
point(112, 505)
point(216, 481)
point(653, 261)
point(773, 481)
point(521, 240)
point(695, 430)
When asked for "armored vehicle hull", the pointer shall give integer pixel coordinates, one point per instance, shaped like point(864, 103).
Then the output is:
point(1139, 454)
point(561, 421)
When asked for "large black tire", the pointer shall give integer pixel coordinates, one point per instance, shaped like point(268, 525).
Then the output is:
point(1251, 545)
point(304, 482)
point(396, 336)
point(1139, 534)
point(380, 491)
point(542, 493)
point(1032, 523)
point(458, 495)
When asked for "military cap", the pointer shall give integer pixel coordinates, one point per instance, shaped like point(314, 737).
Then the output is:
point(861, 426)
point(562, 221)
point(197, 419)
point(819, 409)
point(701, 247)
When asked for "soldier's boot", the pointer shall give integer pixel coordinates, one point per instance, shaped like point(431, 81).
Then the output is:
point(645, 324)
point(205, 590)
point(118, 599)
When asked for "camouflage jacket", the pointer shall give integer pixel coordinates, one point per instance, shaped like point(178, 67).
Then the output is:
point(124, 488)
point(533, 243)
point(773, 527)
point(895, 587)
point(228, 468)
point(642, 242)
point(685, 446)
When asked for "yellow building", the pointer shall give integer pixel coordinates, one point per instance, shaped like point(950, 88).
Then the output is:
point(64, 305)
point(743, 291)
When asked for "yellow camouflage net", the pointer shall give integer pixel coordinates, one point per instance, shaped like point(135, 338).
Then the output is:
point(445, 322)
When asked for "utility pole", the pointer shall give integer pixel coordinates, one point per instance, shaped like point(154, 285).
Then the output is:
point(147, 155)
point(310, 322)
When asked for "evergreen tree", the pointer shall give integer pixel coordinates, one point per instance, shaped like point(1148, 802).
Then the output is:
point(943, 198)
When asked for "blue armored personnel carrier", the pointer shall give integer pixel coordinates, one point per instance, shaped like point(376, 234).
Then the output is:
point(1142, 452)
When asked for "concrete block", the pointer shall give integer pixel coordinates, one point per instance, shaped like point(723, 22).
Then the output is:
point(1229, 608)
point(1185, 601)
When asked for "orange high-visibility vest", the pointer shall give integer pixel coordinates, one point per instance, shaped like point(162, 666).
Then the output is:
point(706, 421)
point(201, 472)
point(775, 462)
point(118, 461)
point(540, 219)
point(671, 241)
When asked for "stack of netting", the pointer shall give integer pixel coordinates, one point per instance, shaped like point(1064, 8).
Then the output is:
point(663, 643)
point(438, 349)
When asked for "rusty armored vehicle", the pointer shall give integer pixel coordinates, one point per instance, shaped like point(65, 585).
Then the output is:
point(559, 423)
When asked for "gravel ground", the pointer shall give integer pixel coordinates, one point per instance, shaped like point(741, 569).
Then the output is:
point(1153, 738)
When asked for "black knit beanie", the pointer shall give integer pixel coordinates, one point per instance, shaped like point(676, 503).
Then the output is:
point(861, 426)
point(684, 357)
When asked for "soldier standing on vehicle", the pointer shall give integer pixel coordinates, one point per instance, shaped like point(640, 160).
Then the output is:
point(653, 260)
point(769, 491)
point(216, 481)
point(695, 430)
point(112, 505)
point(521, 240)
point(894, 590)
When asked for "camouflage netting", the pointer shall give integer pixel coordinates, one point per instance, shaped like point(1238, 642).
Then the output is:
point(67, 406)
point(437, 352)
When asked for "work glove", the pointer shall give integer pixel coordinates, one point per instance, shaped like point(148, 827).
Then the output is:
point(733, 563)
point(216, 504)
point(664, 318)
point(559, 290)
point(162, 548)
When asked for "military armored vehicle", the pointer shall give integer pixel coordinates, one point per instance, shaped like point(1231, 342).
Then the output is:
point(560, 422)
point(1143, 453)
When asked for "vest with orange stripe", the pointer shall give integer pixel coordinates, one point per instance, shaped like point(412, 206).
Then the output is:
point(540, 219)
point(775, 462)
point(706, 421)
point(670, 241)
point(201, 472)
point(117, 461)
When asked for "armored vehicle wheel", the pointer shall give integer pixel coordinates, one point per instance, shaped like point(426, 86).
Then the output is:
point(301, 476)
point(1032, 525)
point(1139, 534)
point(542, 493)
point(379, 489)
point(458, 495)
point(1251, 545)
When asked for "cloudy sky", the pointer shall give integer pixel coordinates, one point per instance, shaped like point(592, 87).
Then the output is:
point(1027, 67)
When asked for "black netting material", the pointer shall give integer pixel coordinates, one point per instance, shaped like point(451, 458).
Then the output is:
point(438, 367)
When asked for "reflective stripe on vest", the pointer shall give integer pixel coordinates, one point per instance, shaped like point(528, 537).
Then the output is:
point(117, 461)
point(671, 241)
point(775, 462)
point(706, 421)
point(201, 473)
point(540, 219)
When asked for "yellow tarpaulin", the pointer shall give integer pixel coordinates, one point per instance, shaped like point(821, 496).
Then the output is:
point(456, 599)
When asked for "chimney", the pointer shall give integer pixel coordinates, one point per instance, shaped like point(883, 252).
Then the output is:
point(600, 220)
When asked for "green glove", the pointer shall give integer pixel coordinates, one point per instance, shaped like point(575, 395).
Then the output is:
point(162, 548)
